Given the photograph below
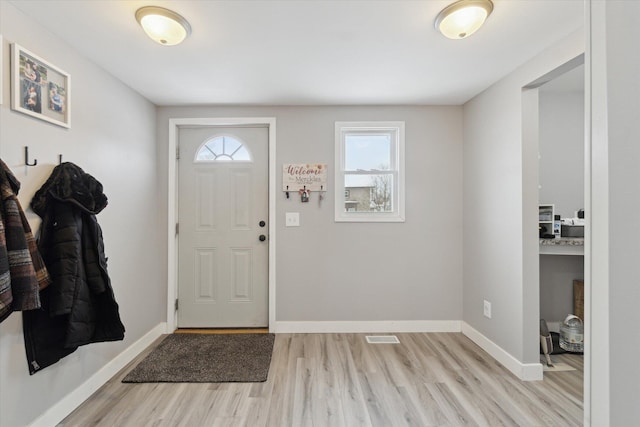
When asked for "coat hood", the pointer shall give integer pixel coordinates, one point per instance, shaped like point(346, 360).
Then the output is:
point(68, 183)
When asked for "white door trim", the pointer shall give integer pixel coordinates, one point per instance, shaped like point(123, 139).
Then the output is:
point(172, 249)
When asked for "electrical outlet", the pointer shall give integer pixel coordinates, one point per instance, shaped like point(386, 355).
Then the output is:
point(487, 309)
point(292, 219)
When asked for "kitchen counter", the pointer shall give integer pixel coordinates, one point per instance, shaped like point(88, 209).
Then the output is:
point(562, 246)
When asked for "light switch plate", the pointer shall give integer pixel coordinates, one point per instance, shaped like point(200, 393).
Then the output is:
point(487, 309)
point(292, 219)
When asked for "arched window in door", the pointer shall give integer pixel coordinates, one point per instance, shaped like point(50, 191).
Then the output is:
point(223, 149)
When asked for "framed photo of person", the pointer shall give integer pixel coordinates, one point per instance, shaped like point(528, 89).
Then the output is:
point(39, 89)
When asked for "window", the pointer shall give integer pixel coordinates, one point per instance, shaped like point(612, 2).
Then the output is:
point(223, 148)
point(369, 172)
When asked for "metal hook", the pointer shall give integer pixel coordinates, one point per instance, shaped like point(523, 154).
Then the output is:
point(26, 158)
point(59, 159)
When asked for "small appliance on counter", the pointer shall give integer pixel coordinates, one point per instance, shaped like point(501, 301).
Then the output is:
point(572, 227)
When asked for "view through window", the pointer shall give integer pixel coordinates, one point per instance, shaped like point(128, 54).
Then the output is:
point(370, 172)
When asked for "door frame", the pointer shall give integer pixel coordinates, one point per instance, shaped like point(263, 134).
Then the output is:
point(530, 182)
point(172, 215)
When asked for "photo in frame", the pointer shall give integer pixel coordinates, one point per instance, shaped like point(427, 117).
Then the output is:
point(39, 89)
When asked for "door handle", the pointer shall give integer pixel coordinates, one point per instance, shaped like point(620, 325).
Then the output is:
point(262, 237)
point(262, 223)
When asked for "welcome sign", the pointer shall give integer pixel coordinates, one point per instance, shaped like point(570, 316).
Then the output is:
point(310, 176)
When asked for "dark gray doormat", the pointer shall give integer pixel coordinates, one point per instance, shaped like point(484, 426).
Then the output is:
point(206, 358)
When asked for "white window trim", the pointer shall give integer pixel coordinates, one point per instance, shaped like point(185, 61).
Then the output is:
point(398, 213)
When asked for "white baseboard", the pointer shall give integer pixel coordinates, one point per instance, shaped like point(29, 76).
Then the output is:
point(524, 371)
point(367, 327)
point(71, 401)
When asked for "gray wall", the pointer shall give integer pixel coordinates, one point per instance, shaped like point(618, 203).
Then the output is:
point(500, 208)
point(363, 271)
point(557, 273)
point(113, 138)
point(615, 90)
point(562, 151)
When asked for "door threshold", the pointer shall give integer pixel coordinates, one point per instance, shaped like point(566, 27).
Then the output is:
point(222, 331)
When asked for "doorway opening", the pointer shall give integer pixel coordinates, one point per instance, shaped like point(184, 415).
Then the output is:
point(555, 193)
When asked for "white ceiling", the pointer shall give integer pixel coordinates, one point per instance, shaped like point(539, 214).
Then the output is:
point(307, 52)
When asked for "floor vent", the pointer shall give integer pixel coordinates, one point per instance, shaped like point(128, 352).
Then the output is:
point(382, 339)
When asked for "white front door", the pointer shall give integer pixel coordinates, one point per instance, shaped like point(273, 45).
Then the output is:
point(223, 227)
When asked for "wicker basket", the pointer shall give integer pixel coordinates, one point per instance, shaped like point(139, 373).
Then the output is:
point(578, 299)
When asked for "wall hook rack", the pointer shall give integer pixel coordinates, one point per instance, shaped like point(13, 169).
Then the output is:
point(26, 158)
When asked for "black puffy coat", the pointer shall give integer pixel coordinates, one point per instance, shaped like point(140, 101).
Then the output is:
point(79, 306)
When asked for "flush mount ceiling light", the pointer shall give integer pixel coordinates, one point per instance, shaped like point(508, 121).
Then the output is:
point(163, 25)
point(463, 18)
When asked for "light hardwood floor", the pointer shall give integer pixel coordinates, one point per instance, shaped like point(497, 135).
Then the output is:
point(434, 379)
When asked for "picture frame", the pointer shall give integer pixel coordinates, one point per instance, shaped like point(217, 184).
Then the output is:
point(39, 89)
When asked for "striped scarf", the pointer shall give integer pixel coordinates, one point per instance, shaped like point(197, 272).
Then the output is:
point(22, 271)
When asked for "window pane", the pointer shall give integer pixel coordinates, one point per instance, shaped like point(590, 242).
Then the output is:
point(230, 145)
point(242, 154)
point(205, 155)
point(367, 152)
point(368, 193)
point(382, 193)
point(223, 149)
point(215, 145)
